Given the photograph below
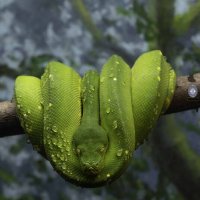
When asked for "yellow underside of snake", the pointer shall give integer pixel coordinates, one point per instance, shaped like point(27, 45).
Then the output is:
point(88, 128)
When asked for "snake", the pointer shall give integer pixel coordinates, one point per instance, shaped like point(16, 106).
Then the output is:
point(89, 127)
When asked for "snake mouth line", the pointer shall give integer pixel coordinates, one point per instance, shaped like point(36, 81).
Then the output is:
point(91, 169)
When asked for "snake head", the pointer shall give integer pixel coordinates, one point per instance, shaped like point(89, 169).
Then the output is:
point(90, 146)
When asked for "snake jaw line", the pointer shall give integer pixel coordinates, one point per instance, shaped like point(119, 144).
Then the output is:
point(88, 128)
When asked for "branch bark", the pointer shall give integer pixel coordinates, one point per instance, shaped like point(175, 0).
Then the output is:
point(10, 125)
point(9, 122)
point(181, 100)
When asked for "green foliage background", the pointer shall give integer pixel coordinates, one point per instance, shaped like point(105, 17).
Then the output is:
point(153, 173)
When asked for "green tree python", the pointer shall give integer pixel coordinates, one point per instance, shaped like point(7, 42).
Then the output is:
point(88, 128)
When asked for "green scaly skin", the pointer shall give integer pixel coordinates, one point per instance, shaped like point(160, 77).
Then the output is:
point(88, 130)
point(90, 139)
point(153, 84)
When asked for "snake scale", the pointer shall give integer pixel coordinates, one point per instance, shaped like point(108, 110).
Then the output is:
point(89, 127)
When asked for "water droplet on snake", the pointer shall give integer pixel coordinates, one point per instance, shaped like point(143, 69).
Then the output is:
point(108, 110)
point(53, 157)
point(59, 145)
point(50, 105)
point(115, 124)
point(54, 142)
point(102, 79)
point(54, 129)
point(62, 158)
point(126, 152)
point(63, 167)
point(108, 175)
point(50, 76)
point(119, 152)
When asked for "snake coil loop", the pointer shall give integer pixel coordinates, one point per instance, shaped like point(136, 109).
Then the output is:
point(89, 127)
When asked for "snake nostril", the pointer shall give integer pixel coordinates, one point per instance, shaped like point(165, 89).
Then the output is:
point(91, 165)
point(91, 168)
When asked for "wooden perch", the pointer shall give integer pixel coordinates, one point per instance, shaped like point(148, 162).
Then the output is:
point(9, 122)
point(181, 100)
point(10, 125)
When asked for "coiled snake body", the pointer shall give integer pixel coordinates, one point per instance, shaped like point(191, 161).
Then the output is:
point(88, 128)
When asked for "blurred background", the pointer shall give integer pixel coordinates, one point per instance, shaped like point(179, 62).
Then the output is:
point(83, 34)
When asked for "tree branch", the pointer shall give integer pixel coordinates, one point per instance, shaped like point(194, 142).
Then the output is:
point(10, 125)
point(181, 100)
point(9, 122)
